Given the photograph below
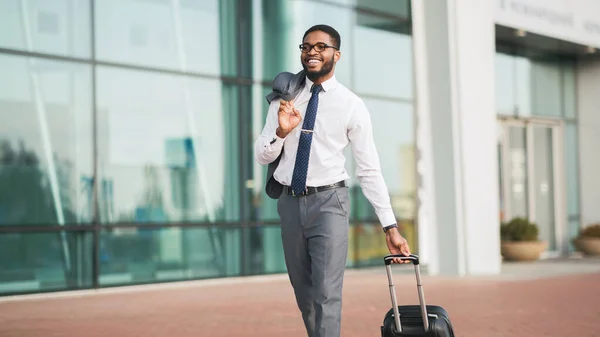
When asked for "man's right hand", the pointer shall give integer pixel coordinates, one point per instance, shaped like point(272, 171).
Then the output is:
point(289, 118)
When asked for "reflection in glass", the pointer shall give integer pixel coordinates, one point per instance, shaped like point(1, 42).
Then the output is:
point(265, 251)
point(517, 172)
point(574, 229)
point(358, 68)
point(167, 147)
point(546, 88)
point(394, 138)
point(129, 256)
point(53, 27)
point(570, 90)
point(264, 208)
point(45, 142)
point(182, 35)
point(572, 169)
point(505, 86)
point(535, 86)
point(400, 8)
point(271, 24)
point(543, 184)
point(523, 87)
point(389, 76)
point(513, 85)
point(284, 25)
point(501, 173)
point(530, 181)
point(35, 262)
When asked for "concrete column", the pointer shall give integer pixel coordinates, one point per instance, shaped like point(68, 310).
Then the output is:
point(588, 103)
point(454, 43)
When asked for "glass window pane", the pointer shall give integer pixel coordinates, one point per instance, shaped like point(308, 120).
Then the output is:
point(529, 86)
point(282, 34)
point(399, 8)
point(542, 180)
point(168, 148)
point(271, 28)
point(574, 228)
point(523, 86)
point(265, 250)
point(162, 34)
point(389, 76)
point(572, 169)
point(570, 90)
point(394, 137)
point(517, 172)
point(505, 84)
point(264, 207)
point(360, 35)
point(46, 153)
point(546, 88)
point(129, 256)
point(45, 261)
point(55, 27)
point(367, 245)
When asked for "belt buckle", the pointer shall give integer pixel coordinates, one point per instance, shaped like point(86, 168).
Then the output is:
point(305, 192)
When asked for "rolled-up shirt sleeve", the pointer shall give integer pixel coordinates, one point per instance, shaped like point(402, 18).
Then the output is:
point(368, 168)
point(268, 145)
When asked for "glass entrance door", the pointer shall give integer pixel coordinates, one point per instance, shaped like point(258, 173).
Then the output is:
point(531, 177)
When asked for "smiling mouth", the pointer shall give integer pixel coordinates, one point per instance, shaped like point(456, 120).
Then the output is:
point(313, 62)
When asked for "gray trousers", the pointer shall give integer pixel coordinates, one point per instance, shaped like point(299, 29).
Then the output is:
point(314, 231)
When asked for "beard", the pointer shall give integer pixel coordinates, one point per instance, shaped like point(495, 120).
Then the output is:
point(325, 69)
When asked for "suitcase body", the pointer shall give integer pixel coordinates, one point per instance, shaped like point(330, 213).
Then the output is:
point(414, 320)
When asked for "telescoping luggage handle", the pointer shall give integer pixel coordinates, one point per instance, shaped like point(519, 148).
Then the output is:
point(388, 267)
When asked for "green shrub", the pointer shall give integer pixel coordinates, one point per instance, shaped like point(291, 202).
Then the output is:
point(592, 230)
point(519, 229)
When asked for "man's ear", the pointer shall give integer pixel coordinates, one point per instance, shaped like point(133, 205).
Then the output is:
point(337, 55)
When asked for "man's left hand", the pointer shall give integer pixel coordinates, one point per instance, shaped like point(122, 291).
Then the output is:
point(397, 244)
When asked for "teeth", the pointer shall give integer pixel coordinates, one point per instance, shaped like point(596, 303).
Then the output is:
point(313, 61)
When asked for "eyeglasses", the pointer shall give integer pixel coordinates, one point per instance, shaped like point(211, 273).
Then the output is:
point(319, 47)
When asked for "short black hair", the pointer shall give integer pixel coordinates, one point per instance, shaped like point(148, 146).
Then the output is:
point(334, 35)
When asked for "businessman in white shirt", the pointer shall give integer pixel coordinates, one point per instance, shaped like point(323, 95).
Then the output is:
point(312, 131)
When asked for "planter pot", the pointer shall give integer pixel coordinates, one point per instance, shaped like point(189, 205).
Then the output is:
point(588, 245)
point(522, 250)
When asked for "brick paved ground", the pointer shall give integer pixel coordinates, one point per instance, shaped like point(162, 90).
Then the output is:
point(491, 307)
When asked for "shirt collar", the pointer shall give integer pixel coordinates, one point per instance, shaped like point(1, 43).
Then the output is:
point(330, 84)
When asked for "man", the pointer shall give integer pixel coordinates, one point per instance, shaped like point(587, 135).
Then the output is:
point(310, 132)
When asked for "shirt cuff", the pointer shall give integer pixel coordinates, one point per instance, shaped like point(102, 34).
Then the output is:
point(276, 140)
point(387, 219)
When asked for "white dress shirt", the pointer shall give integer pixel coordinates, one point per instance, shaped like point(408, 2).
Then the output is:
point(342, 119)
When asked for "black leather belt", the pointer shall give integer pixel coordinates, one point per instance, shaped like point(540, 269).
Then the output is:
point(310, 190)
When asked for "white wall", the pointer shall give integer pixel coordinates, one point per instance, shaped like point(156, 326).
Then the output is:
point(577, 21)
point(588, 83)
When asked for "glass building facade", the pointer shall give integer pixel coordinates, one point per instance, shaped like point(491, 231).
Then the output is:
point(536, 102)
point(127, 127)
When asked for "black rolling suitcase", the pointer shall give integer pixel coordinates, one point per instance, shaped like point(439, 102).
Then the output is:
point(414, 320)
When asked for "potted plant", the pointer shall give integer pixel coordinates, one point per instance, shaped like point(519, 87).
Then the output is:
point(520, 240)
point(588, 240)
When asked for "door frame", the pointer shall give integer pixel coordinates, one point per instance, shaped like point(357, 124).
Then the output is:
point(559, 177)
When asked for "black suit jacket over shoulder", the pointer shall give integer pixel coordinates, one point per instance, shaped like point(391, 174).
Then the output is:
point(285, 86)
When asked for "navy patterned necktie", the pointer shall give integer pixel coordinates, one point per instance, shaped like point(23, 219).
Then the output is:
point(303, 154)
